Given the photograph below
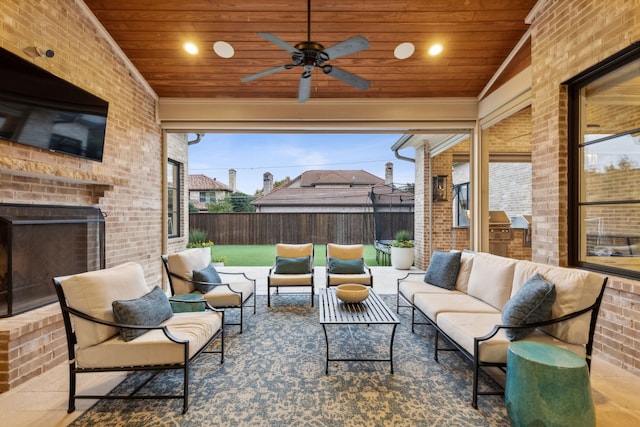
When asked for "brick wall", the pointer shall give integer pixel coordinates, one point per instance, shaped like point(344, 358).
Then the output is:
point(567, 38)
point(127, 185)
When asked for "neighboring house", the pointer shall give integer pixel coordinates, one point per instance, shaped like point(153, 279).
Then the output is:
point(324, 191)
point(203, 190)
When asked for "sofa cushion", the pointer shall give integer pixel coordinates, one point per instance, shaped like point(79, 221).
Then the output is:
point(490, 279)
point(443, 269)
point(575, 289)
point(346, 266)
point(411, 286)
point(294, 250)
point(297, 265)
point(532, 303)
point(345, 251)
point(94, 292)
point(434, 304)
point(226, 296)
point(208, 275)
point(154, 348)
point(149, 310)
point(466, 262)
point(183, 263)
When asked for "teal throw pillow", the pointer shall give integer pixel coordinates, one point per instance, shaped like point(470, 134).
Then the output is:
point(209, 276)
point(346, 266)
point(299, 265)
point(532, 303)
point(149, 310)
point(443, 269)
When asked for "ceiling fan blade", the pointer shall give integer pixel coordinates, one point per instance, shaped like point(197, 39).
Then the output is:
point(266, 72)
point(304, 91)
point(347, 77)
point(276, 40)
point(353, 45)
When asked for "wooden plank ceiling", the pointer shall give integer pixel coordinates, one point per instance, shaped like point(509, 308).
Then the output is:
point(477, 36)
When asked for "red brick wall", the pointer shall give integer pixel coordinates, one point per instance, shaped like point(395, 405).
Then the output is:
point(567, 38)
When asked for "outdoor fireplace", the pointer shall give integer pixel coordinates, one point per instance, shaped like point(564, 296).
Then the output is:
point(40, 242)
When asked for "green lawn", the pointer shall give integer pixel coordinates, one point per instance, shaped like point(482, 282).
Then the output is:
point(265, 255)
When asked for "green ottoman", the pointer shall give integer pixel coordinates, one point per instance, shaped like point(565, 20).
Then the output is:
point(547, 386)
point(178, 304)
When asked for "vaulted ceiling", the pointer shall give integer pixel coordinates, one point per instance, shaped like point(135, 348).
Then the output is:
point(477, 37)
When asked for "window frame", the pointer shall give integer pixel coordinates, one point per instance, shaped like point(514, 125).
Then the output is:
point(575, 166)
point(176, 187)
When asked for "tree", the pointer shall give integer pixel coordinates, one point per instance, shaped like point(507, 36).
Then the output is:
point(241, 202)
point(193, 208)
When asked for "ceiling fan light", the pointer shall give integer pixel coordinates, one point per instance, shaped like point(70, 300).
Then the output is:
point(404, 50)
point(223, 49)
point(191, 48)
point(436, 49)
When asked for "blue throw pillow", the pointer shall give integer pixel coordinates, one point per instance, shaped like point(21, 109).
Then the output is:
point(346, 266)
point(532, 303)
point(208, 275)
point(299, 265)
point(443, 269)
point(149, 310)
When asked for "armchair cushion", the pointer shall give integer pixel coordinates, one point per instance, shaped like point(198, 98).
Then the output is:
point(443, 269)
point(346, 266)
point(298, 265)
point(532, 303)
point(209, 275)
point(149, 310)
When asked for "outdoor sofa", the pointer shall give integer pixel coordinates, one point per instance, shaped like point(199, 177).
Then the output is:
point(479, 302)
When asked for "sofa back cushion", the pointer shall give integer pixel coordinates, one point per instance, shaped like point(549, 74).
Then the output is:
point(287, 250)
point(183, 263)
point(94, 292)
point(575, 289)
point(490, 279)
point(466, 261)
point(345, 251)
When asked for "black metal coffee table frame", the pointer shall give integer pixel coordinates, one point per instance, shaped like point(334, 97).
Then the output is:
point(372, 311)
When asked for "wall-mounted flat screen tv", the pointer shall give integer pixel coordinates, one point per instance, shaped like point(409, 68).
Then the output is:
point(42, 110)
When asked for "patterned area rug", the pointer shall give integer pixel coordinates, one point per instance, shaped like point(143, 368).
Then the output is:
point(274, 375)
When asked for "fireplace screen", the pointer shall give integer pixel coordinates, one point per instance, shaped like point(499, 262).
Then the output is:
point(38, 243)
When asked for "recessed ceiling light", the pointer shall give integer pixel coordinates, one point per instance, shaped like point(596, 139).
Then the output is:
point(436, 49)
point(404, 50)
point(191, 48)
point(223, 49)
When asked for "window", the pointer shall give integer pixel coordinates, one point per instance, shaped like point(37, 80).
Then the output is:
point(173, 205)
point(604, 135)
point(461, 205)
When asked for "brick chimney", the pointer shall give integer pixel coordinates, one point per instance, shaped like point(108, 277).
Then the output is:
point(267, 183)
point(388, 173)
point(232, 180)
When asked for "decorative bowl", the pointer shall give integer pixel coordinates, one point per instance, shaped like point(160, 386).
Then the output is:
point(352, 293)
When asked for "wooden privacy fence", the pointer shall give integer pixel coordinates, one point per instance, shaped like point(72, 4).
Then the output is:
point(272, 228)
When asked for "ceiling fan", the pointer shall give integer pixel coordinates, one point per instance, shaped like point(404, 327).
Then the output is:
point(309, 55)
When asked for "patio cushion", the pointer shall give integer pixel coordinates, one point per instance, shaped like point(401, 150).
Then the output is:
point(222, 296)
point(346, 266)
point(466, 262)
point(345, 251)
point(148, 310)
point(297, 265)
point(183, 263)
point(532, 303)
point(443, 269)
point(94, 291)
point(490, 279)
point(433, 304)
point(209, 275)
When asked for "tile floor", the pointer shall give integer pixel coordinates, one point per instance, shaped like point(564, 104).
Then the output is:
point(42, 401)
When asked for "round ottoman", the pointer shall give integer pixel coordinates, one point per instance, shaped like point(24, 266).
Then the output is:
point(547, 386)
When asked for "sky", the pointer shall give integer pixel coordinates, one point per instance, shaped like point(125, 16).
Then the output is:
point(290, 154)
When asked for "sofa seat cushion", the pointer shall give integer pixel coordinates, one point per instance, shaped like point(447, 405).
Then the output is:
point(464, 327)
point(410, 286)
point(183, 263)
point(339, 279)
point(291, 279)
point(491, 278)
point(433, 305)
point(222, 296)
point(94, 292)
point(153, 347)
point(575, 290)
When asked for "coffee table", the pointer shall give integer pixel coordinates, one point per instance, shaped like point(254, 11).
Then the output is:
point(372, 311)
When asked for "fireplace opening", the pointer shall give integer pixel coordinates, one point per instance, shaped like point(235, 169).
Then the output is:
point(39, 242)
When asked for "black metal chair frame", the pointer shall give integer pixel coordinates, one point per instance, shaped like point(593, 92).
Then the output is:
point(277, 287)
point(474, 358)
point(241, 307)
point(183, 366)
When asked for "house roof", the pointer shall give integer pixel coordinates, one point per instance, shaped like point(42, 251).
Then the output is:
point(331, 177)
point(200, 182)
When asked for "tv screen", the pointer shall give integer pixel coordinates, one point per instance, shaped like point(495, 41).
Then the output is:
point(42, 110)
